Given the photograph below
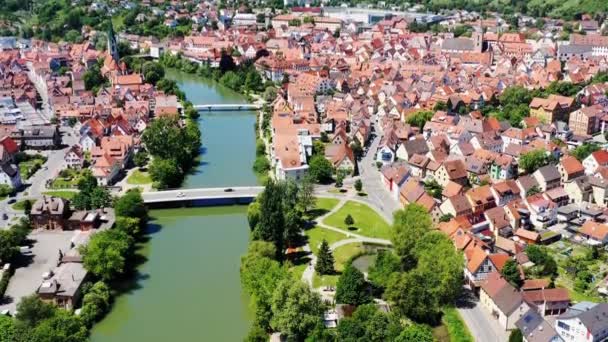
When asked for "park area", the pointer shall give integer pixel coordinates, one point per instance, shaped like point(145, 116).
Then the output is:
point(29, 163)
point(67, 179)
point(366, 221)
point(138, 177)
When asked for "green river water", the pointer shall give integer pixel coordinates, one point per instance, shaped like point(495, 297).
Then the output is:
point(187, 287)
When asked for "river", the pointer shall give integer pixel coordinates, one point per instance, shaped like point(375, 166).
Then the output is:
point(187, 287)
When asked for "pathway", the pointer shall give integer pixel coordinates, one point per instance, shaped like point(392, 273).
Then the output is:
point(308, 274)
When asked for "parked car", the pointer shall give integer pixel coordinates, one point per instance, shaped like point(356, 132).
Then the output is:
point(12, 200)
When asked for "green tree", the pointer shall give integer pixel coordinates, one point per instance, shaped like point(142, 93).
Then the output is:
point(385, 265)
point(416, 333)
point(271, 226)
point(296, 309)
point(325, 259)
point(63, 326)
point(8, 247)
point(7, 329)
point(511, 273)
point(410, 224)
point(166, 173)
point(585, 150)
point(27, 207)
point(31, 310)
point(95, 303)
point(419, 118)
point(358, 185)
point(153, 72)
point(320, 169)
point(544, 264)
point(257, 334)
point(106, 253)
point(131, 204)
point(533, 160)
point(516, 336)
point(293, 226)
point(515, 95)
point(167, 139)
point(93, 79)
point(253, 214)
point(348, 220)
point(368, 323)
point(140, 159)
point(306, 194)
point(129, 225)
point(352, 287)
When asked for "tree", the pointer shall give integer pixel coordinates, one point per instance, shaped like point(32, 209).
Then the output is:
point(226, 62)
point(91, 196)
point(410, 224)
point(358, 185)
point(131, 204)
point(166, 173)
point(515, 95)
point(63, 326)
point(348, 220)
point(106, 253)
point(325, 259)
point(8, 248)
point(416, 333)
point(533, 160)
point(339, 179)
point(368, 323)
point(93, 78)
point(511, 273)
point(419, 118)
point(352, 287)
point(129, 225)
point(31, 310)
point(100, 198)
point(153, 72)
point(253, 214)
point(320, 169)
point(272, 220)
point(293, 226)
point(585, 150)
point(544, 264)
point(533, 191)
point(516, 336)
point(95, 303)
point(306, 196)
point(7, 329)
point(296, 309)
point(27, 207)
point(385, 265)
point(167, 139)
point(140, 159)
point(256, 334)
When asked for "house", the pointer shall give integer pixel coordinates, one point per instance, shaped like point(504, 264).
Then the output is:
point(74, 157)
point(584, 321)
point(596, 233)
point(543, 211)
point(452, 170)
point(480, 264)
point(10, 175)
point(594, 161)
point(586, 121)
point(547, 177)
point(341, 157)
point(570, 168)
point(393, 176)
point(411, 147)
point(534, 328)
point(599, 190)
point(64, 287)
point(504, 302)
point(548, 302)
point(553, 108)
point(37, 137)
point(457, 205)
point(106, 169)
point(50, 213)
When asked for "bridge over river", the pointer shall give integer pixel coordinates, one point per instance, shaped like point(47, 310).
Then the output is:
point(227, 107)
point(201, 197)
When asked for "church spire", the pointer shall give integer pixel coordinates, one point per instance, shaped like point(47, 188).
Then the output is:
point(112, 45)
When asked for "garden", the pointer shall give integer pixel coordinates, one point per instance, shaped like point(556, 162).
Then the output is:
point(29, 163)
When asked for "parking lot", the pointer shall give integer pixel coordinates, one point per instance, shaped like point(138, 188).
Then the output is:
point(43, 257)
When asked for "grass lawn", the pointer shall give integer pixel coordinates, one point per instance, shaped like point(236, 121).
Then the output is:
point(457, 329)
point(344, 253)
point(139, 177)
point(63, 194)
point(325, 280)
point(298, 270)
point(28, 168)
point(317, 234)
point(20, 205)
point(322, 207)
point(367, 221)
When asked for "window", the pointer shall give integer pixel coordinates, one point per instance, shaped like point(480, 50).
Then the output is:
point(563, 325)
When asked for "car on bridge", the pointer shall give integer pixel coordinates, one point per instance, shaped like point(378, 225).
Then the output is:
point(228, 190)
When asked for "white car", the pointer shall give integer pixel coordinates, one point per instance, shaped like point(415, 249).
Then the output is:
point(180, 194)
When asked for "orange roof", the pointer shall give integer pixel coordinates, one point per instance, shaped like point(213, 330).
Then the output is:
point(499, 260)
point(595, 230)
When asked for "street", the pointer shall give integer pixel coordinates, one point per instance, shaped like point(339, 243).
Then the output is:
point(479, 321)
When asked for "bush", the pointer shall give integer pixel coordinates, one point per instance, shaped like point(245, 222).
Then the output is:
point(261, 164)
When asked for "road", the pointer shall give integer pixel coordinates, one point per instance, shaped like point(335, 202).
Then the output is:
point(479, 321)
point(36, 184)
point(172, 195)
